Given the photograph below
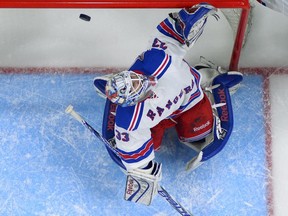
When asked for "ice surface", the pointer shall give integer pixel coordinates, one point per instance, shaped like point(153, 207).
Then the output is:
point(51, 165)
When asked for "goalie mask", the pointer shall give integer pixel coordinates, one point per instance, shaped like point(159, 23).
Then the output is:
point(127, 88)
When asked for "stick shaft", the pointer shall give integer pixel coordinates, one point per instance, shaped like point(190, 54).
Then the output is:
point(173, 202)
point(79, 118)
point(161, 191)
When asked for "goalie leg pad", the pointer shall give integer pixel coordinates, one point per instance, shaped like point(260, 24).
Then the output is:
point(108, 125)
point(223, 117)
point(210, 70)
point(224, 113)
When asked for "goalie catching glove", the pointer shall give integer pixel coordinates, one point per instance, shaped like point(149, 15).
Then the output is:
point(189, 22)
point(142, 183)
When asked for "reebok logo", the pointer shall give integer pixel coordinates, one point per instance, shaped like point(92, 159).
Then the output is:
point(111, 117)
point(202, 126)
point(130, 187)
point(224, 115)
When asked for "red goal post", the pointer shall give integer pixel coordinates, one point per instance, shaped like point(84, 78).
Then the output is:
point(240, 12)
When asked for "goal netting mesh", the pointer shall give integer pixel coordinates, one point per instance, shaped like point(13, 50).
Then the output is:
point(237, 13)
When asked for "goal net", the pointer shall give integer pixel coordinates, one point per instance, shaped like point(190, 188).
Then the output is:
point(235, 11)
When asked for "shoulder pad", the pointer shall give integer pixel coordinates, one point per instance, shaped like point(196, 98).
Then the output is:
point(153, 62)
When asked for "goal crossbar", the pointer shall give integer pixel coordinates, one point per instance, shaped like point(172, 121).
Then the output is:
point(118, 3)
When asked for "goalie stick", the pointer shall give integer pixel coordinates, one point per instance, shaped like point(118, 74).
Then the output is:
point(161, 191)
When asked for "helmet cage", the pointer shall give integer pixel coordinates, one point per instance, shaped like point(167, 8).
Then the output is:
point(127, 88)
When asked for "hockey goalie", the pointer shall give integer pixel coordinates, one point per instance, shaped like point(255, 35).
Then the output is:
point(161, 90)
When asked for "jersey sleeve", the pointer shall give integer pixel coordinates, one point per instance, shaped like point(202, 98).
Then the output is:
point(180, 30)
point(167, 28)
point(134, 144)
point(135, 147)
point(168, 39)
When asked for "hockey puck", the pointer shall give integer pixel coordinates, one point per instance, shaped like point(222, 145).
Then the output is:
point(85, 17)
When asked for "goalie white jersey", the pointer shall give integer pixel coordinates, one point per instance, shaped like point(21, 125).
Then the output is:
point(178, 90)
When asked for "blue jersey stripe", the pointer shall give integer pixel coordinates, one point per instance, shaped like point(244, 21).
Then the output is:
point(140, 154)
point(167, 29)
